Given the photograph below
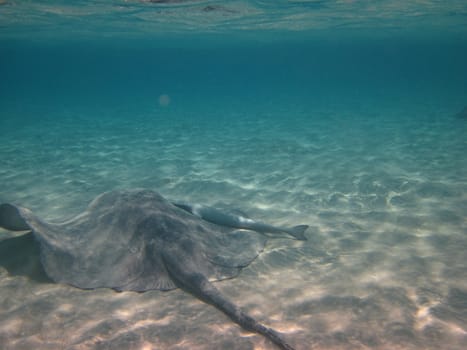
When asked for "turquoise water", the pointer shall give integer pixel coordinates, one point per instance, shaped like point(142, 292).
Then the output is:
point(336, 114)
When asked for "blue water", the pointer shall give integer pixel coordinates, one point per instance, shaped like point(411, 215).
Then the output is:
point(340, 115)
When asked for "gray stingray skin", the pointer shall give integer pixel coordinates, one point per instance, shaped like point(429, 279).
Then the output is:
point(137, 240)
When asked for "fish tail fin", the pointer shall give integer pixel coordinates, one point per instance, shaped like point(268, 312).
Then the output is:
point(298, 232)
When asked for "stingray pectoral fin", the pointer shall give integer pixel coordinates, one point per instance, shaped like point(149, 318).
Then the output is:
point(298, 232)
point(11, 219)
point(198, 285)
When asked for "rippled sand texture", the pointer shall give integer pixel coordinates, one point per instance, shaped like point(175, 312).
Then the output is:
point(385, 195)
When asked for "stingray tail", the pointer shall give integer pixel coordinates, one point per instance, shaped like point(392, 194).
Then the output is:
point(198, 285)
point(298, 232)
point(211, 295)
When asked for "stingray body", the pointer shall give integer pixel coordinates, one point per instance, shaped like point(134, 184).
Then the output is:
point(136, 240)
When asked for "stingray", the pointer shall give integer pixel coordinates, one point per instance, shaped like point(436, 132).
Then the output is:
point(136, 240)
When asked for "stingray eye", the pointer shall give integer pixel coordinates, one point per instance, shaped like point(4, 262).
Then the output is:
point(184, 206)
point(198, 228)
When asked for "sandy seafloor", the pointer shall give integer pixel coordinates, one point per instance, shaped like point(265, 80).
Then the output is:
point(383, 187)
